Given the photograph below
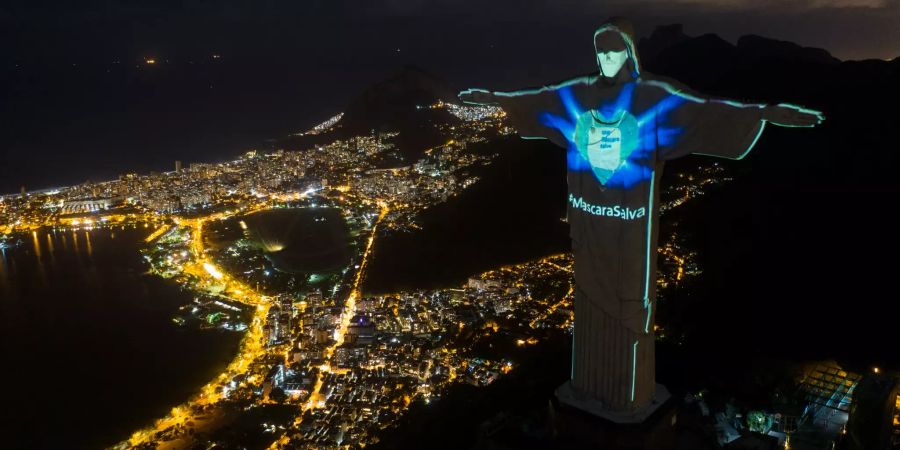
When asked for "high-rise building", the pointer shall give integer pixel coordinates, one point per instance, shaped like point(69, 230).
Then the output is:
point(177, 166)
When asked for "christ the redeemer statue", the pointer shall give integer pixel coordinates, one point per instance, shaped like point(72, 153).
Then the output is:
point(619, 127)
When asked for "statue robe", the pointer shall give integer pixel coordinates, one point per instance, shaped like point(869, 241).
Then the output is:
point(618, 134)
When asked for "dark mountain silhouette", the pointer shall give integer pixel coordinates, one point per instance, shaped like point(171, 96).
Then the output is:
point(698, 60)
point(495, 222)
point(398, 103)
point(662, 38)
point(393, 101)
point(708, 59)
point(764, 48)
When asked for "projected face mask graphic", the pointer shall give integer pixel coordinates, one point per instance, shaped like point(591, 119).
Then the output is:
point(614, 140)
point(606, 142)
point(612, 52)
point(611, 62)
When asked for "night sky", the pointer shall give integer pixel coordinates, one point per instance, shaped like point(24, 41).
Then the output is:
point(78, 101)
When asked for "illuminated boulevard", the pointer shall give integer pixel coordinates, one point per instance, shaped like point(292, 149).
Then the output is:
point(251, 346)
point(315, 399)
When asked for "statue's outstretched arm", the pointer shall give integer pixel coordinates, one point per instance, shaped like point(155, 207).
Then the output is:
point(787, 115)
point(522, 109)
point(527, 110)
point(478, 97)
point(719, 127)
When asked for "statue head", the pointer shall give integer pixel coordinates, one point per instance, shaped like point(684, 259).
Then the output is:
point(615, 50)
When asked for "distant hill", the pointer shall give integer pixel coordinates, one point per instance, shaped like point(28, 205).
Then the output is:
point(512, 215)
point(750, 49)
point(392, 104)
point(708, 59)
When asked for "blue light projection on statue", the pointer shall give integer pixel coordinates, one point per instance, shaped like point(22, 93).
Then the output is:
point(611, 141)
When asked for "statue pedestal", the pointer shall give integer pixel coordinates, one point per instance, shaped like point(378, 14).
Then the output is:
point(586, 422)
point(569, 396)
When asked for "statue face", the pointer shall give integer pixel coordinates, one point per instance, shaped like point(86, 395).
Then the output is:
point(611, 62)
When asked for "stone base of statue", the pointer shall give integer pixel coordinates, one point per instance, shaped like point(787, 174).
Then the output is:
point(586, 422)
point(568, 395)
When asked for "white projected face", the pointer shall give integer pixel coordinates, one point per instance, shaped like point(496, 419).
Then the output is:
point(611, 62)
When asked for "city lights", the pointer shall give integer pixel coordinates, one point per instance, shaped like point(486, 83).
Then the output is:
point(211, 269)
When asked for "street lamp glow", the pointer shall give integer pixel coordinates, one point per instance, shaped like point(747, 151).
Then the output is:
point(211, 269)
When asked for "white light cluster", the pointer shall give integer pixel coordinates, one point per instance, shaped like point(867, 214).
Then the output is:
point(470, 113)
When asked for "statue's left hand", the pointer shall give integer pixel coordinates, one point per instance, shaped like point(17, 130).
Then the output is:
point(477, 97)
point(787, 115)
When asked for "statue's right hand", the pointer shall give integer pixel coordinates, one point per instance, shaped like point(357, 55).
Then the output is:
point(477, 97)
point(787, 115)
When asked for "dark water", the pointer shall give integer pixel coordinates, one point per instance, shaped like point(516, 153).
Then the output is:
point(89, 349)
point(301, 239)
